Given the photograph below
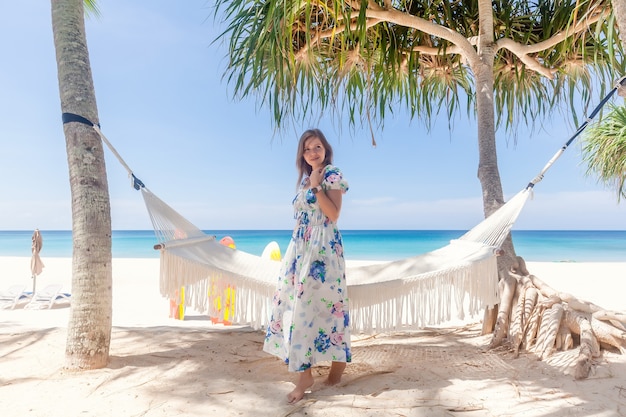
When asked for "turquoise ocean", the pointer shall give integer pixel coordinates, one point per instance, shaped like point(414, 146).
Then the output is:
point(533, 245)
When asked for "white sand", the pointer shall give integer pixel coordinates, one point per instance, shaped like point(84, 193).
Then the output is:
point(165, 367)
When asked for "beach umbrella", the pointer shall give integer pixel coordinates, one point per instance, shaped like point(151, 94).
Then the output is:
point(36, 264)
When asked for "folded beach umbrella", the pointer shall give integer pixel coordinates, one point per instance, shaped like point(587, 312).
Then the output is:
point(36, 264)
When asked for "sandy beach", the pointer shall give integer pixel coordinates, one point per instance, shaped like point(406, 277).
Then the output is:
point(160, 366)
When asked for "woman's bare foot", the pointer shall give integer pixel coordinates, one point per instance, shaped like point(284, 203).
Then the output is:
point(335, 373)
point(305, 381)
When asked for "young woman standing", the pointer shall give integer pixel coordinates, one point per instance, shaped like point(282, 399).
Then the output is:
point(310, 319)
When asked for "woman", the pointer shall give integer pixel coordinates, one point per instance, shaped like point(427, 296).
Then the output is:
point(310, 320)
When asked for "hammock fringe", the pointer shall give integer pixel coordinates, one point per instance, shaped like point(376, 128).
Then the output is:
point(409, 303)
point(427, 300)
point(233, 286)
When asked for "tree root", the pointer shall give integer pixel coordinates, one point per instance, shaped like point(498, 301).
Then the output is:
point(523, 318)
point(617, 318)
point(546, 337)
point(538, 319)
point(507, 290)
point(580, 323)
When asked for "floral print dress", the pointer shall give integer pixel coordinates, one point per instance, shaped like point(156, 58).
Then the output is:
point(310, 319)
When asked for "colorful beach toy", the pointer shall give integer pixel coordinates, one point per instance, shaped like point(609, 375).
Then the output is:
point(222, 309)
point(272, 251)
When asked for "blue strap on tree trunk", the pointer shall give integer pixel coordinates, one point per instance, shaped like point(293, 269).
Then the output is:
point(71, 117)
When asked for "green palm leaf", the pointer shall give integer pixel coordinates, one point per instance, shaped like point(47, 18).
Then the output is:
point(604, 150)
point(303, 56)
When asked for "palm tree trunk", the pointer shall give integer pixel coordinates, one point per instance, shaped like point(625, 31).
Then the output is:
point(89, 328)
point(488, 172)
point(619, 9)
point(489, 177)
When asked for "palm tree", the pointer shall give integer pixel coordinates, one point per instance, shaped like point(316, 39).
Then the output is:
point(604, 150)
point(509, 61)
point(89, 328)
point(372, 57)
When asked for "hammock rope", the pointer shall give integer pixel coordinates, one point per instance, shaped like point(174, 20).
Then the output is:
point(619, 85)
point(460, 278)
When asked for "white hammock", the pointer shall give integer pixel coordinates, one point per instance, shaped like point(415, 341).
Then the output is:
point(413, 292)
point(410, 293)
point(238, 287)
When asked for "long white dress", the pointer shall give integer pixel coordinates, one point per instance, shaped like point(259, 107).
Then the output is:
point(310, 318)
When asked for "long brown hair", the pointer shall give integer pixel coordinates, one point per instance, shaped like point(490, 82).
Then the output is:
point(301, 164)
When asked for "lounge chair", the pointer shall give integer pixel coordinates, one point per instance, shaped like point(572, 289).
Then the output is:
point(13, 296)
point(47, 297)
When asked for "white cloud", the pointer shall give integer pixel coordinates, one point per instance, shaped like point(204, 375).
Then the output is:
point(390, 213)
point(584, 210)
point(31, 214)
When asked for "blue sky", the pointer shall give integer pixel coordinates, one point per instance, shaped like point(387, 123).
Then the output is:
point(165, 107)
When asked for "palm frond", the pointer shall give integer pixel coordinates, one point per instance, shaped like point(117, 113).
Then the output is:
point(303, 56)
point(604, 150)
point(91, 8)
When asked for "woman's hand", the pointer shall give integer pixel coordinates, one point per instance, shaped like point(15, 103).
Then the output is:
point(316, 177)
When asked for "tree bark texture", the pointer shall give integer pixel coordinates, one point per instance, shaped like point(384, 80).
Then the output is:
point(619, 9)
point(89, 328)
